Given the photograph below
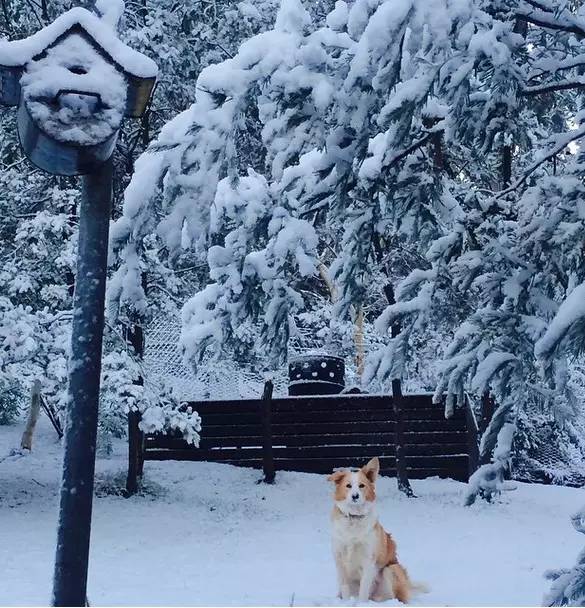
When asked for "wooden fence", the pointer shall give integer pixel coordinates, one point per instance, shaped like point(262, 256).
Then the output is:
point(317, 434)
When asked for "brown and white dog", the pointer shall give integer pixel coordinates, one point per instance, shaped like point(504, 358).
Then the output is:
point(365, 554)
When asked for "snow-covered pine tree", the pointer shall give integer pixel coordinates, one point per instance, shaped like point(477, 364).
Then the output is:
point(36, 274)
point(201, 155)
point(349, 118)
point(556, 231)
point(507, 253)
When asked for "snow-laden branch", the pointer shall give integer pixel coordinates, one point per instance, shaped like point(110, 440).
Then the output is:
point(488, 368)
point(553, 87)
point(570, 312)
point(551, 66)
point(561, 141)
point(544, 15)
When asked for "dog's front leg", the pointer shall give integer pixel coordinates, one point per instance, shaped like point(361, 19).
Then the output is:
point(343, 583)
point(369, 573)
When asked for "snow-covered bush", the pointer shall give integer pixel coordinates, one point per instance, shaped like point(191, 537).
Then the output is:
point(11, 401)
point(120, 393)
point(166, 414)
point(123, 390)
point(568, 584)
point(34, 346)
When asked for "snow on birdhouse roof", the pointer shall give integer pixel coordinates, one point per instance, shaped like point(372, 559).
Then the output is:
point(20, 52)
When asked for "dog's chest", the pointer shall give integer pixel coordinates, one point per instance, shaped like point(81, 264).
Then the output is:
point(354, 545)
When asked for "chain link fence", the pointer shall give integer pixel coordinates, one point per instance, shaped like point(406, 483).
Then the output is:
point(163, 363)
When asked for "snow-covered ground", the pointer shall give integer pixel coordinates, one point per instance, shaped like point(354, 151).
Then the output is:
point(207, 534)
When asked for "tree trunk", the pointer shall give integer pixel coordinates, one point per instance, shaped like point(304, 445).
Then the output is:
point(401, 468)
point(33, 416)
point(506, 166)
point(520, 27)
point(324, 273)
point(134, 335)
point(359, 320)
point(359, 342)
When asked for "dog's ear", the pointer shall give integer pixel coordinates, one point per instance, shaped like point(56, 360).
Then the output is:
point(336, 477)
point(372, 469)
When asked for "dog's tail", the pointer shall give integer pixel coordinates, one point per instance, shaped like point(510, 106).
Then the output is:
point(399, 584)
point(416, 588)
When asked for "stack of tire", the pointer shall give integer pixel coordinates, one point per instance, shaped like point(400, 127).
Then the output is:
point(316, 375)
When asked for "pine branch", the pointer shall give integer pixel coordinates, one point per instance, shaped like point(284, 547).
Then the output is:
point(412, 148)
point(552, 87)
point(542, 16)
point(561, 145)
point(568, 64)
point(6, 16)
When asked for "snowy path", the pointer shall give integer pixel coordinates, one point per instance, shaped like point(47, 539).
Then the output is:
point(212, 536)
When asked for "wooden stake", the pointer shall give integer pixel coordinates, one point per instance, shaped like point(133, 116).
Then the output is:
point(33, 416)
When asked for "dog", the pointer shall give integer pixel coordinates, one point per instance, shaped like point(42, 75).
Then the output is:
point(365, 554)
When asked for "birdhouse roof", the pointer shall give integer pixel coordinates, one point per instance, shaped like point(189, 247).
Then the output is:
point(18, 53)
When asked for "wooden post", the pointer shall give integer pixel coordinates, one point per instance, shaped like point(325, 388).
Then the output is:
point(267, 453)
point(134, 335)
point(33, 416)
point(401, 468)
point(472, 438)
point(135, 453)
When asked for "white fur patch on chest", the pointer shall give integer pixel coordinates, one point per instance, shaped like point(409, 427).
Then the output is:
point(354, 544)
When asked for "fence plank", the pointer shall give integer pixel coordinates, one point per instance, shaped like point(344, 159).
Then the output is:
point(326, 403)
point(457, 471)
point(345, 456)
point(283, 430)
point(458, 438)
point(361, 415)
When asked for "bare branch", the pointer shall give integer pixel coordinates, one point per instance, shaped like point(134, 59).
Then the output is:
point(541, 15)
point(552, 87)
point(558, 147)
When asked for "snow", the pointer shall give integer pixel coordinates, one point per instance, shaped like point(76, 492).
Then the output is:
point(492, 364)
point(337, 18)
point(207, 534)
point(570, 312)
point(74, 65)
point(292, 17)
point(111, 11)
point(20, 52)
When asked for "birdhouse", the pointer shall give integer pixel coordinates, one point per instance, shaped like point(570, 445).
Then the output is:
point(73, 81)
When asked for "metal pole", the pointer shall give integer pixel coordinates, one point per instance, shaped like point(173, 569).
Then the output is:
point(71, 561)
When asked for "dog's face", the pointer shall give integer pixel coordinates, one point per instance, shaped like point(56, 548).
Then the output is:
point(355, 491)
